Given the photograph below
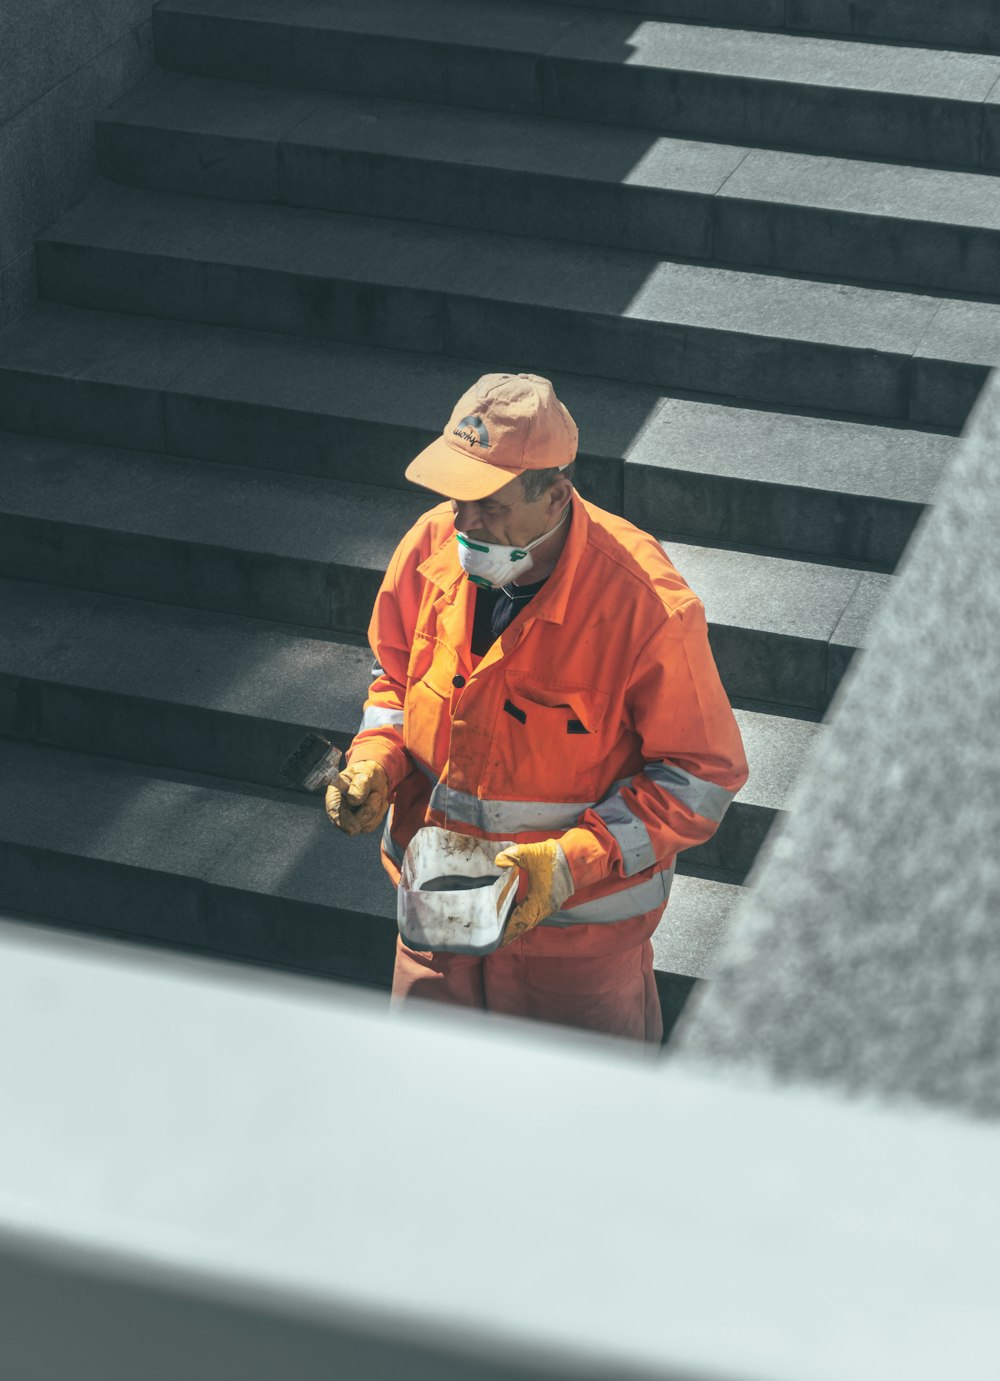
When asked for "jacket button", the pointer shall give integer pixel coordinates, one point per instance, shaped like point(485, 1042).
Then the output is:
point(458, 682)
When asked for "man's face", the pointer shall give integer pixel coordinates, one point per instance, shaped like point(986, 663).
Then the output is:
point(507, 518)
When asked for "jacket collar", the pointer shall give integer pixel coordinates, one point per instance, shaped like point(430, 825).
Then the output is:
point(443, 568)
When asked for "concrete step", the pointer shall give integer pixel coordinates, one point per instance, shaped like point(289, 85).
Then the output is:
point(711, 471)
point(612, 313)
point(782, 631)
point(232, 697)
point(528, 175)
point(834, 489)
point(289, 548)
point(695, 926)
point(779, 89)
point(974, 24)
point(194, 863)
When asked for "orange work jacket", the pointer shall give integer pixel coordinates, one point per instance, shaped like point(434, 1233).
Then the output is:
point(597, 717)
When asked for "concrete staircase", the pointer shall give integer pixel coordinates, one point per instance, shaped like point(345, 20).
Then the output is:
point(762, 267)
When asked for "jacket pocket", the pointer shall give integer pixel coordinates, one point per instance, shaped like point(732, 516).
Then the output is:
point(552, 738)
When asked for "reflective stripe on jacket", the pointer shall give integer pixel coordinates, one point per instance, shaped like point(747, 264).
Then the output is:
point(597, 717)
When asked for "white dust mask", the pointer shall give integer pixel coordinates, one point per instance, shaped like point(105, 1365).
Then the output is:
point(491, 565)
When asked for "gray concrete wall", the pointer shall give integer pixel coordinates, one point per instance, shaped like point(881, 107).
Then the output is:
point(61, 63)
point(868, 952)
point(222, 1174)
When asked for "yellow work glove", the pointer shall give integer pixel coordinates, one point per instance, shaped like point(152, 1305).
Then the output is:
point(357, 799)
point(550, 882)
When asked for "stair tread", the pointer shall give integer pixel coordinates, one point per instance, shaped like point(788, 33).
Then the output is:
point(325, 245)
point(561, 149)
point(695, 925)
point(788, 448)
point(774, 594)
point(846, 64)
point(236, 665)
point(639, 40)
point(641, 425)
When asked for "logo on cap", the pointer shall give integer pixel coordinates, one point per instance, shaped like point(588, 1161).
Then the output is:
point(473, 430)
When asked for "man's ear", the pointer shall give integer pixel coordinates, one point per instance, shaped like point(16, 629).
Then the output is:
point(559, 495)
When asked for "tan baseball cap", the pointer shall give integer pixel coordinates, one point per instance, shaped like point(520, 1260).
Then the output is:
point(503, 425)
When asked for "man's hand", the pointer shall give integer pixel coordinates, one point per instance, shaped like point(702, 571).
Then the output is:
point(359, 797)
point(550, 882)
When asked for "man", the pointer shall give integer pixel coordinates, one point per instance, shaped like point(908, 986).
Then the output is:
point(542, 676)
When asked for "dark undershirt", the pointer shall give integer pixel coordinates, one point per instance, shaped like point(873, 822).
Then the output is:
point(495, 610)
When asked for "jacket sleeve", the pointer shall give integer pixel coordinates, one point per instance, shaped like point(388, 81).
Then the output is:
point(380, 735)
point(692, 752)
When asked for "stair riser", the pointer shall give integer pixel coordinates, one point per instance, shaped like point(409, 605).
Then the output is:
point(974, 24)
point(279, 54)
point(876, 249)
point(98, 896)
point(168, 734)
point(203, 428)
point(776, 668)
point(734, 846)
point(711, 508)
point(781, 114)
point(761, 369)
point(255, 584)
point(722, 229)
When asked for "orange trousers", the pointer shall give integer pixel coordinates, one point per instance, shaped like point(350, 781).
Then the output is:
point(611, 992)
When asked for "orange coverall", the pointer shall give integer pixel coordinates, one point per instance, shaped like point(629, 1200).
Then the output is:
point(597, 718)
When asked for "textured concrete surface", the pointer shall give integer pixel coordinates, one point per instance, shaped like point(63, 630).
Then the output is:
point(44, 42)
point(591, 183)
point(772, 620)
point(280, 402)
point(47, 149)
point(845, 218)
point(62, 63)
point(764, 478)
point(416, 50)
point(695, 926)
point(840, 96)
point(974, 24)
point(193, 861)
point(184, 133)
point(237, 540)
point(430, 288)
point(867, 957)
point(18, 287)
point(202, 691)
